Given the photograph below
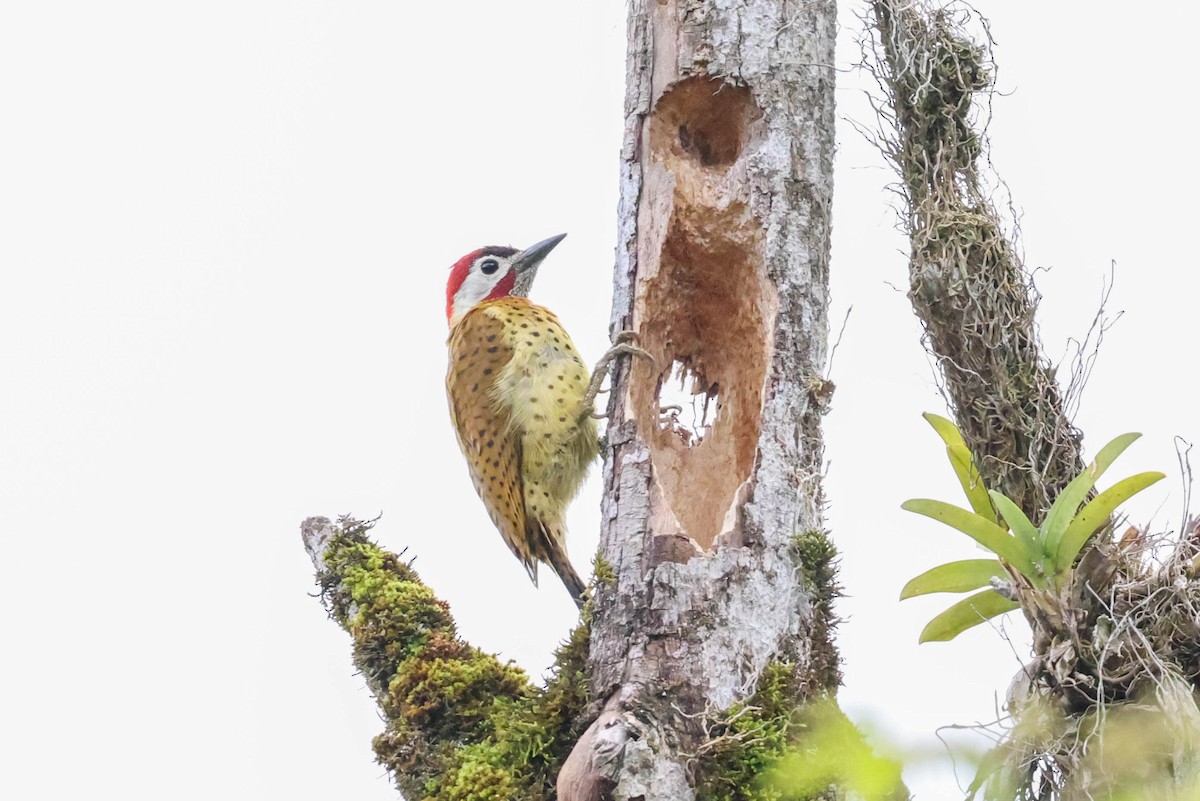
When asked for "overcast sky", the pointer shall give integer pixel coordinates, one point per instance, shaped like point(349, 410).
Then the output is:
point(225, 229)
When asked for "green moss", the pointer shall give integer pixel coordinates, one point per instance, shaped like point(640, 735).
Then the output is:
point(461, 724)
point(818, 560)
point(532, 739)
point(751, 737)
point(557, 717)
point(382, 603)
point(604, 574)
point(454, 697)
point(478, 778)
point(818, 563)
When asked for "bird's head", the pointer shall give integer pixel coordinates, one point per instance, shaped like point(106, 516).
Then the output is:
point(493, 272)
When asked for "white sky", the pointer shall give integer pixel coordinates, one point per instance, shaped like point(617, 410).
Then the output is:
point(224, 235)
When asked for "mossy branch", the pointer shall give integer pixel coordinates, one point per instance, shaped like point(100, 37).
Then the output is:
point(968, 285)
point(461, 724)
point(1115, 658)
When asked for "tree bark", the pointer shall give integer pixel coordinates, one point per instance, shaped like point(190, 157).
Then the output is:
point(722, 270)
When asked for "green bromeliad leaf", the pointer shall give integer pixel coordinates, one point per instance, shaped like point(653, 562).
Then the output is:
point(965, 614)
point(961, 576)
point(1022, 527)
point(985, 532)
point(1062, 511)
point(1096, 514)
point(963, 464)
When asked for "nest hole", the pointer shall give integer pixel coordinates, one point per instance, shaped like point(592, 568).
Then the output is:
point(704, 310)
point(703, 120)
point(705, 314)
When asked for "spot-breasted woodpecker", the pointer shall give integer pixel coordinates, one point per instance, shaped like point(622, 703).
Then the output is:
point(520, 403)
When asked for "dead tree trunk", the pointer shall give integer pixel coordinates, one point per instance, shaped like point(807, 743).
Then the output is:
point(722, 270)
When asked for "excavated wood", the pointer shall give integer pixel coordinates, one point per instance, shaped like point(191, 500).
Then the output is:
point(722, 269)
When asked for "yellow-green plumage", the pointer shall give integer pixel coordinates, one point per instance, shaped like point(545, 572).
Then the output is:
point(516, 386)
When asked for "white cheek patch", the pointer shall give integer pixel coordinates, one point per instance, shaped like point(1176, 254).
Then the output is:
point(475, 288)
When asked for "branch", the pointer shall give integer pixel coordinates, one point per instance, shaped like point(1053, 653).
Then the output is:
point(461, 725)
point(1115, 662)
point(968, 285)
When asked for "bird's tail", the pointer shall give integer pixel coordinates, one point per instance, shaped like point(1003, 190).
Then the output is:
point(555, 552)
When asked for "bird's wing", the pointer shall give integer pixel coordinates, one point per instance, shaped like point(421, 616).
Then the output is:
point(492, 445)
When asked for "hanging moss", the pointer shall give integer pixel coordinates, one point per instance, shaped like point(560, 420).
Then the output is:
point(968, 284)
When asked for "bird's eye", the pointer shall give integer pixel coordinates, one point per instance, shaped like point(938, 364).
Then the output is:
point(489, 266)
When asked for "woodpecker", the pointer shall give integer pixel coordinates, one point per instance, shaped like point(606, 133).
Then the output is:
point(521, 403)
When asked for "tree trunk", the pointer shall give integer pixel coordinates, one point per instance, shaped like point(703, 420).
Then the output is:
point(722, 270)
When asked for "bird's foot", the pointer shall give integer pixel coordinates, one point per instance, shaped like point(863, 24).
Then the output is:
point(624, 343)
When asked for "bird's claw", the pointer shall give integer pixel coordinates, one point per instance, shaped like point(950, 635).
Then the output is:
point(623, 344)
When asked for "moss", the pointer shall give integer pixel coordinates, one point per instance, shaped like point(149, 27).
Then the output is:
point(437, 693)
point(750, 738)
point(558, 716)
point(461, 724)
point(604, 574)
point(454, 697)
point(818, 562)
point(478, 778)
point(531, 740)
point(976, 300)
